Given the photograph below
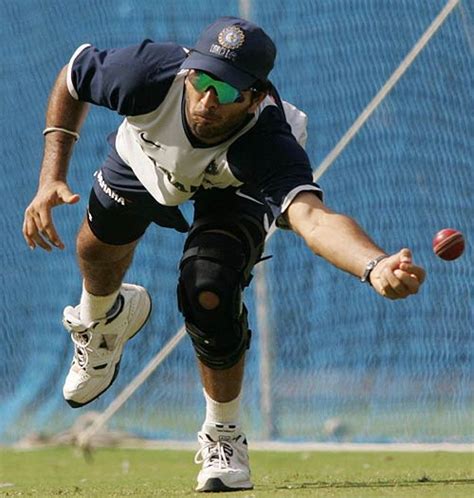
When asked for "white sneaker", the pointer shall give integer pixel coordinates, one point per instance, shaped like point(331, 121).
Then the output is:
point(98, 345)
point(224, 456)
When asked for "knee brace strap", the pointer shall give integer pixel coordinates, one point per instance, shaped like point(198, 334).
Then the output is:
point(217, 353)
point(247, 231)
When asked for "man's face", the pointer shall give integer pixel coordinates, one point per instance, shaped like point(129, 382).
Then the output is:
point(212, 122)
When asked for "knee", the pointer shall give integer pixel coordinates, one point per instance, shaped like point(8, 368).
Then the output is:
point(209, 294)
point(208, 300)
point(88, 246)
point(90, 249)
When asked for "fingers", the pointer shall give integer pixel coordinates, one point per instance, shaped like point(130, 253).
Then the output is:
point(397, 285)
point(48, 230)
point(35, 232)
point(392, 285)
point(405, 256)
point(29, 231)
point(414, 270)
point(398, 277)
point(402, 257)
point(67, 197)
point(38, 226)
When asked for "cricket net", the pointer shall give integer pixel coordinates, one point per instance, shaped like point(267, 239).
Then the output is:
point(330, 360)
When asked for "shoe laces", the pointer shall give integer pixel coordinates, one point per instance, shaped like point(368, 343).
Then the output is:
point(215, 453)
point(81, 336)
point(81, 342)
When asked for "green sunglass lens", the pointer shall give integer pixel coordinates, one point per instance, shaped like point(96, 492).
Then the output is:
point(226, 94)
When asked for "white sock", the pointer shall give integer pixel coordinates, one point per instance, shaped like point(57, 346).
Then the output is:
point(217, 412)
point(95, 307)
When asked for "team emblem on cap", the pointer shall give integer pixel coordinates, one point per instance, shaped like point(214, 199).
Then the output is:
point(231, 37)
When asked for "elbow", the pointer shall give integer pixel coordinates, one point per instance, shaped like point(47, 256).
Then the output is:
point(312, 238)
point(310, 233)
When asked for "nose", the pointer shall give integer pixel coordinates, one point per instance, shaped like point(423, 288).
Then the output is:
point(209, 99)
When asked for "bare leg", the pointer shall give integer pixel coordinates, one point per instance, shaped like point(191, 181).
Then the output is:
point(102, 265)
point(222, 385)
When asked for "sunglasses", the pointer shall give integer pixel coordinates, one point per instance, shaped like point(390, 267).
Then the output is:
point(226, 94)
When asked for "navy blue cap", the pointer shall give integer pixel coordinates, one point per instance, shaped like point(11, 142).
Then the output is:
point(235, 51)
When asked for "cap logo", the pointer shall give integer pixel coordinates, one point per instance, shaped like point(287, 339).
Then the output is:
point(231, 37)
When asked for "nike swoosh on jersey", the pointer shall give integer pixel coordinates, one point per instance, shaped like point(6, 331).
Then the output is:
point(157, 145)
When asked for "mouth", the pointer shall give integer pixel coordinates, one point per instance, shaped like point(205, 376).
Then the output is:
point(206, 118)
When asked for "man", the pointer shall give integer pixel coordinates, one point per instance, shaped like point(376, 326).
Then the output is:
point(204, 125)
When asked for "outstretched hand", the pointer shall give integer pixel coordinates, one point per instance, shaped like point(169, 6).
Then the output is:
point(38, 226)
point(397, 277)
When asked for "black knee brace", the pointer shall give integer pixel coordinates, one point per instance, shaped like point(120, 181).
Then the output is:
point(218, 260)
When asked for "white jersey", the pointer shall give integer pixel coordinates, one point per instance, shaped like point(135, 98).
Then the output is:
point(146, 85)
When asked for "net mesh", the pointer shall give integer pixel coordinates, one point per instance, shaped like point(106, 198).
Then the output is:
point(344, 363)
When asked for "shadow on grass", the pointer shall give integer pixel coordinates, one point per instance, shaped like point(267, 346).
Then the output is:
point(422, 481)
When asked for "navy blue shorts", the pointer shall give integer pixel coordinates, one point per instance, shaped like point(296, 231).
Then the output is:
point(121, 209)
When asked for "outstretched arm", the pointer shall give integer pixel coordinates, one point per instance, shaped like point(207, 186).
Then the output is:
point(341, 241)
point(66, 113)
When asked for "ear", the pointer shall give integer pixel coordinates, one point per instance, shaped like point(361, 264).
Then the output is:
point(257, 98)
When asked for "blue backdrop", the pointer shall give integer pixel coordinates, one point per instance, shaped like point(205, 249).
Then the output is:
point(379, 370)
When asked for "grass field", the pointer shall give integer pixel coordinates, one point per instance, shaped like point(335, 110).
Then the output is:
point(166, 473)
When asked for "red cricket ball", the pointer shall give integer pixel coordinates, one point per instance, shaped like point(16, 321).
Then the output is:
point(448, 244)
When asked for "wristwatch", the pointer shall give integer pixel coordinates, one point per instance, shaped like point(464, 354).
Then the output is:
point(370, 266)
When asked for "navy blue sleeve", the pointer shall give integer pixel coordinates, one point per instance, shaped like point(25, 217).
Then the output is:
point(132, 80)
point(269, 158)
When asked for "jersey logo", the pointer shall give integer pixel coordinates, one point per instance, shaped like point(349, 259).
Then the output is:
point(107, 190)
point(155, 144)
